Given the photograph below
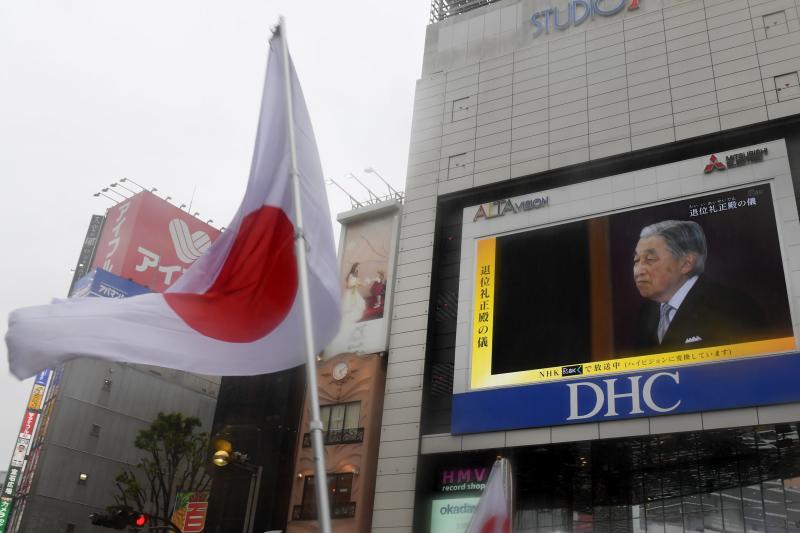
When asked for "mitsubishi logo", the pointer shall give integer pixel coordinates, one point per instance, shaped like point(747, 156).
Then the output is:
point(714, 164)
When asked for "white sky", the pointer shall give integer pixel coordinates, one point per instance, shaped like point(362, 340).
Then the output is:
point(166, 93)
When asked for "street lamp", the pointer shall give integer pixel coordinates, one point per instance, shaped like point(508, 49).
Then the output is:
point(369, 191)
point(115, 192)
point(99, 194)
point(123, 180)
point(224, 455)
point(115, 184)
point(392, 190)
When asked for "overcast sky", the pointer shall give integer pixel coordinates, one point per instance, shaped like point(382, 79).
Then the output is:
point(166, 93)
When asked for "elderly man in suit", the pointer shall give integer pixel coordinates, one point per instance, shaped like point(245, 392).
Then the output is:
point(686, 310)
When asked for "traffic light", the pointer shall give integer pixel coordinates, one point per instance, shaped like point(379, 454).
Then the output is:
point(119, 517)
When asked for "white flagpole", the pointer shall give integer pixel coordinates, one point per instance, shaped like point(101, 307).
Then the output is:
point(315, 425)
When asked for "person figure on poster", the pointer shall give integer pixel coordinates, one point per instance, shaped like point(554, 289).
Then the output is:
point(685, 309)
point(376, 299)
point(353, 303)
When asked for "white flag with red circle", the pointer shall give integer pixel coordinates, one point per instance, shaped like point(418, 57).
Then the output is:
point(494, 511)
point(236, 310)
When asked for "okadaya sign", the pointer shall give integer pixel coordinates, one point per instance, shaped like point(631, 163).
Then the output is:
point(758, 381)
point(576, 12)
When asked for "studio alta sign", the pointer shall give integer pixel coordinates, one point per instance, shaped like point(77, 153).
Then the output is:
point(500, 207)
point(576, 12)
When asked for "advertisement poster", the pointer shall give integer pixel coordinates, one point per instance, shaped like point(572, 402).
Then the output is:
point(36, 398)
point(364, 271)
point(28, 424)
point(20, 450)
point(151, 242)
point(589, 294)
point(12, 478)
point(452, 515)
point(42, 377)
point(5, 511)
point(190, 511)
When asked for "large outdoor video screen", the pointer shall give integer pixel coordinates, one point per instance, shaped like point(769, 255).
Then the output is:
point(695, 280)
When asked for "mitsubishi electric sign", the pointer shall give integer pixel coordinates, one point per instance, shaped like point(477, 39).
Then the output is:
point(625, 299)
point(576, 12)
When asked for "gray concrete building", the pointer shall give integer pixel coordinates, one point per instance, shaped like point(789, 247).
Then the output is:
point(94, 414)
point(540, 118)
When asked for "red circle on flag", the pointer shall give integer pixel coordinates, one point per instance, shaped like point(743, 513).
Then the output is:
point(256, 287)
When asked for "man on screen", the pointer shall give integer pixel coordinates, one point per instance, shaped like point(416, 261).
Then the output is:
point(686, 310)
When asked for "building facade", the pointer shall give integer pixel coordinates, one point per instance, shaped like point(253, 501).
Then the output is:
point(546, 135)
point(83, 417)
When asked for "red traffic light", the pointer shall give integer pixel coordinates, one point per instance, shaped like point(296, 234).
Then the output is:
point(140, 520)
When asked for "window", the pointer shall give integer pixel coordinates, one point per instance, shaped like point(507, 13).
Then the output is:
point(339, 487)
point(340, 421)
point(775, 24)
point(787, 86)
point(70, 528)
point(457, 166)
point(461, 109)
point(95, 431)
point(107, 384)
point(83, 477)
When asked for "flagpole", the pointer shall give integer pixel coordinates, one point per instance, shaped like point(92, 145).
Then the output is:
point(315, 425)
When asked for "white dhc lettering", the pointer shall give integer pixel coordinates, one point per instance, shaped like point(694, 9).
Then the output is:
point(633, 395)
point(573, 400)
point(609, 397)
point(647, 392)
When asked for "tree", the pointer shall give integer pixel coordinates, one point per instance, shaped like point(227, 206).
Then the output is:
point(173, 461)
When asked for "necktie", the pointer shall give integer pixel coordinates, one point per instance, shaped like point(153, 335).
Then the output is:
point(663, 322)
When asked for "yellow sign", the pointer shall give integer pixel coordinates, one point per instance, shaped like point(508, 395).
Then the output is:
point(484, 309)
point(36, 397)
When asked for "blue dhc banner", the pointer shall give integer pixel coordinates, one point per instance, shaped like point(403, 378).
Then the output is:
point(726, 385)
point(103, 284)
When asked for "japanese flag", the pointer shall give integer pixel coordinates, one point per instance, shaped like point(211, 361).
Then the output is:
point(493, 514)
point(237, 310)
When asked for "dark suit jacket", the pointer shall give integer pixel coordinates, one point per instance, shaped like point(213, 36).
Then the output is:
point(710, 315)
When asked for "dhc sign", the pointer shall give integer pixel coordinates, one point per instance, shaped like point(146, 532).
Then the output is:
point(745, 382)
point(577, 12)
point(604, 398)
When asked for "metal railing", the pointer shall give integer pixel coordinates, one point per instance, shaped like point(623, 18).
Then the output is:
point(338, 436)
point(441, 9)
point(338, 510)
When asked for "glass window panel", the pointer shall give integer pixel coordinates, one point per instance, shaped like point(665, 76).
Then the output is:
point(712, 521)
point(752, 504)
point(732, 499)
point(620, 512)
point(352, 414)
point(324, 414)
point(754, 525)
point(672, 513)
point(692, 523)
point(601, 513)
point(712, 501)
point(652, 487)
point(774, 505)
point(732, 520)
point(341, 490)
point(654, 524)
point(337, 417)
point(753, 509)
point(309, 497)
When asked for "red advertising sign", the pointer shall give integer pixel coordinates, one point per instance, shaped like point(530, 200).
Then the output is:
point(151, 242)
point(190, 511)
point(28, 424)
point(195, 519)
